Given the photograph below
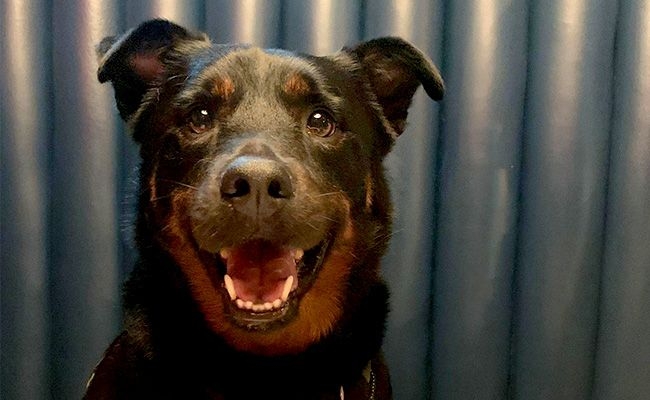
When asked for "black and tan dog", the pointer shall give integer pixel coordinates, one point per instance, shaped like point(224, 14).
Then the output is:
point(263, 215)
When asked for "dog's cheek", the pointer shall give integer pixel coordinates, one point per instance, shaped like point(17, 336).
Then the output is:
point(316, 201)
point(346, 165)
point(175, 238)
point(202, 211)
point(158, 196)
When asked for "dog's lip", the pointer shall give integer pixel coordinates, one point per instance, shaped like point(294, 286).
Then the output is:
point(260, 314)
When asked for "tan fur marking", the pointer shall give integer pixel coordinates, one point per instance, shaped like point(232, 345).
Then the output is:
point(153, 191)
point(296, 85)
point(224, 88)
point(369, 192)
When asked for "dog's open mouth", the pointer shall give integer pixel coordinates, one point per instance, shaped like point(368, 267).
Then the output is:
point(263, 282)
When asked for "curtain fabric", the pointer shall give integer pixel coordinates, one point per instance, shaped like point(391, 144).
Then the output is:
point(519, 267)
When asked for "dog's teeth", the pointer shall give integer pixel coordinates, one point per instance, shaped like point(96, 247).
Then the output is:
point(230, 287)
point(249, 305)
point(298, 254)
point(224, 253)
point(287, 288)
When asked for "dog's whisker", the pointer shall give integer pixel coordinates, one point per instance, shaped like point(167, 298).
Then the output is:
point(166, 227)
point(309, 224)
point(174, 77)
point(325, 217)
point(178, 183)
point(161, 198)
point(214, 233)
point(325, 194)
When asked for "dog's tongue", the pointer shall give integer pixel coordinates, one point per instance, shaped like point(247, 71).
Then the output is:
point(260, 269)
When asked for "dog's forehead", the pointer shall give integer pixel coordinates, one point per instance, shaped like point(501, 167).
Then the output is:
point(255, 70)
point(257, 62)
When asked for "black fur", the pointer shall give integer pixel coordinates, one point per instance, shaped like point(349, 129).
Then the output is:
point(304, 138)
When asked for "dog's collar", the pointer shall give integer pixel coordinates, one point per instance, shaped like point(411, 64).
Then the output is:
point(369, 375)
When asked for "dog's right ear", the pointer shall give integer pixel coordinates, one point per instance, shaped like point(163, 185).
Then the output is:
point(135, 61)
point(395, 69)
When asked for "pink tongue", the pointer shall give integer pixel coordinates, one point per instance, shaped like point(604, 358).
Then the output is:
point(259, 269)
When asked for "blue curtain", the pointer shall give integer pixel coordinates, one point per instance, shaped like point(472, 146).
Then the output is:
point(520, 262)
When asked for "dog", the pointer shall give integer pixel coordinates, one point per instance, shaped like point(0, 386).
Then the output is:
point(263, 214)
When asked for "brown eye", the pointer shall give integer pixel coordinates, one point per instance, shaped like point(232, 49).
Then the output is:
point(200, 120)
point(321, 123)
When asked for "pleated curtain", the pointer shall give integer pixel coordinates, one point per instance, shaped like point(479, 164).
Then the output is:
point(520, 261)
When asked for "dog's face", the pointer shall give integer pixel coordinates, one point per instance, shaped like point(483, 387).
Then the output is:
point(262, 174)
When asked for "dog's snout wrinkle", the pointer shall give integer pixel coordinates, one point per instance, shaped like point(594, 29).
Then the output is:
point(255, 186)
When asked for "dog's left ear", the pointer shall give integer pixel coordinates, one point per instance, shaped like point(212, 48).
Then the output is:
point(136, 61)
point(395, 69)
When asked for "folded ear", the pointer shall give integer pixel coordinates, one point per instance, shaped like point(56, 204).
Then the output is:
point(395, 69)
point(135, 61)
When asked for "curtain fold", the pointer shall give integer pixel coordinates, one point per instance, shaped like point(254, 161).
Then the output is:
point(564, 179)
point(623, 345)
point(247, 21)
point(320, 27)
point(519, 266)
point(24, 133)
point(83, 259)
point(485, 65)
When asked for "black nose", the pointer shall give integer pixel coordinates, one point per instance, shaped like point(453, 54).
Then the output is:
point(256, 186)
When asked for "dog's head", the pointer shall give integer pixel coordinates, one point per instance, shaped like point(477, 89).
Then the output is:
point(262, 173)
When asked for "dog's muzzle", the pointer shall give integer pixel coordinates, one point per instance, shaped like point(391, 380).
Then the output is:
point(265, 237)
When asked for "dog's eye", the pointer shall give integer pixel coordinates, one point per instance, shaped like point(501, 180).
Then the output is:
point(200, 120)
point(321, 123)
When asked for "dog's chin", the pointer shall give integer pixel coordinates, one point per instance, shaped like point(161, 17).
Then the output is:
point(262, 283)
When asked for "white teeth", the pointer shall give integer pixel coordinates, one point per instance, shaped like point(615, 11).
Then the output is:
point(298, 254)
point(287, 288)
point(248, 305)
point(230, 287)
point(224, 253)
point(258, 307)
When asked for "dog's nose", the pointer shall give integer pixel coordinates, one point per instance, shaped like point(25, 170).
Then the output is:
point(256, 186)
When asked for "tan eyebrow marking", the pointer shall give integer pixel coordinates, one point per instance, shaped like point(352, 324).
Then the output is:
point(223, 87)
point(297, 85)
